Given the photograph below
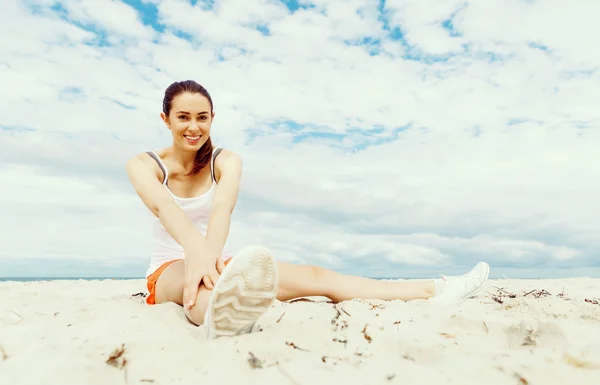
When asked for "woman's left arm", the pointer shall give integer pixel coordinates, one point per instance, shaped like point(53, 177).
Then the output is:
point(228, 173)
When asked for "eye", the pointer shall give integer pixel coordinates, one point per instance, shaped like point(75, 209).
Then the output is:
point(182, 117)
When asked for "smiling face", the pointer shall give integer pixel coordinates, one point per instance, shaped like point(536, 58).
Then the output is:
point(189, 120)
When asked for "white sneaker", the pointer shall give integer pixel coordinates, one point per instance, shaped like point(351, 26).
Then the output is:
point(244, 292)
point(460, 287)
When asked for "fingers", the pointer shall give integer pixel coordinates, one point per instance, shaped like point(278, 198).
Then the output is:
point(214, 277)
point(208, 282)
point(220, 265)
point(190, 292)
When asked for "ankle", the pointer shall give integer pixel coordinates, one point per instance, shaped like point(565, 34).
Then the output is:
point(438, 285)
point(428, 289)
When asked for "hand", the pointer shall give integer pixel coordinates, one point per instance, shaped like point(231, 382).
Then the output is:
point(200, 267)
point(220, 265)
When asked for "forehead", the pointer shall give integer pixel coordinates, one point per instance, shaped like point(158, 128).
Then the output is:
point(190, 102)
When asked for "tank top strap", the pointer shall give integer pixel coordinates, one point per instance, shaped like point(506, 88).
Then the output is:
point(162, 166)
point(216, 152)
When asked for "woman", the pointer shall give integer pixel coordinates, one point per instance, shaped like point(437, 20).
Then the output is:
point(191, 188)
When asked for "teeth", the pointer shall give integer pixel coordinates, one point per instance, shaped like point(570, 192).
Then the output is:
point(193, 137)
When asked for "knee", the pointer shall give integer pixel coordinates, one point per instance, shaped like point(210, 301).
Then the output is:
point(318, 273)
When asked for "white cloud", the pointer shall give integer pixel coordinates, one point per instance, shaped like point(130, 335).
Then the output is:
point(495, 161)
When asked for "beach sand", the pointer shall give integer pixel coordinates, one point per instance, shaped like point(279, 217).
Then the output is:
point(65, 332)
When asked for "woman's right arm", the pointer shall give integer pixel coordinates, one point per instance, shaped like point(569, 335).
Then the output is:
point(147, 186)
point(200, 264)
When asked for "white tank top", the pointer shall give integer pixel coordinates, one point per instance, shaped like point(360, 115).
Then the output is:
point(197, 210)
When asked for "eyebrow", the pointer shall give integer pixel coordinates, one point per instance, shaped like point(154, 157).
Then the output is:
point(185, 112)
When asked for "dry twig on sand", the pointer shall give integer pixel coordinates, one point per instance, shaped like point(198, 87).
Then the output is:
point(334, 321)
point(3, 353)
point(364, 332)
point(593, 301)
point(295, 346)
point(502, 293)
point(279, 319)
point(521, 379)
point(117, 358)
point(538, 293)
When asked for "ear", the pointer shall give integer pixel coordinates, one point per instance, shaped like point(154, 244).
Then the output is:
point(165, 119)
point(212, 116)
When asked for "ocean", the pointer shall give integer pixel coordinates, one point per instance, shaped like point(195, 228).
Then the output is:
point(29, 279)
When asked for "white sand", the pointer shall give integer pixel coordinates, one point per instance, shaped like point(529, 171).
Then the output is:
point(63, 332)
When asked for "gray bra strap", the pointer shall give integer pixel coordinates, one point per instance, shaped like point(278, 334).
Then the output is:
point(212, 167)
point(160, 164)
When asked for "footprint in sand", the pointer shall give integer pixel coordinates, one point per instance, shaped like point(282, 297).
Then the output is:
point(533, 333)
point(9, 317)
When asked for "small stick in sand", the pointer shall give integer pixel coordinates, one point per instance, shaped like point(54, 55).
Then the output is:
point(364, 332)
point(3, 353)
point(521, 379)
point(508, 294)
point(344, 310)
point(335, 319)
point(529, 292)
point(541, 293)
point(295, 347)
point(300, 300)
point(117, 359)
point(563, 295)
point(593, 301)
point(280, 318)
point(537, 293)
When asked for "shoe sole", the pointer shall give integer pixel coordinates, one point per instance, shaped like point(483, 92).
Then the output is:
point(244, 292)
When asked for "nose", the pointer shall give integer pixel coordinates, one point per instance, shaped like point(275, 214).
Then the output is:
point(195, 124)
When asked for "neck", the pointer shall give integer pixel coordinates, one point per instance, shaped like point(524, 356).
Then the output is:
point(184, 158)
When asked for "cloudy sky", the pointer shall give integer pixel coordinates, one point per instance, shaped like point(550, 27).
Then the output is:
point(380, 138)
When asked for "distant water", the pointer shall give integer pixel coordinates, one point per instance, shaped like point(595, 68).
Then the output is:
point(30, 279)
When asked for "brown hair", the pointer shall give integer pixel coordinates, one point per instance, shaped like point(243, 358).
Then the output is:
point(204, 154)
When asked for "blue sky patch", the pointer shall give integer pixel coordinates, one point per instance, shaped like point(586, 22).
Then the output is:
point(295, 5)
point(148, 13)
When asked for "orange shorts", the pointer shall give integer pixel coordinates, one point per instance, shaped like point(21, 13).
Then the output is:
point(153, 278)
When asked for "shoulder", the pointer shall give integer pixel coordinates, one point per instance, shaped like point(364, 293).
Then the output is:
point(145, 161)
point(227, 162)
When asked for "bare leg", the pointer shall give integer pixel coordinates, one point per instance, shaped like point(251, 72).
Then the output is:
point(169, 288)
point(299, 281)
point(304, 280)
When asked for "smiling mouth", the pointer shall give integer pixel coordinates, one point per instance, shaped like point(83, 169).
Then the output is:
point(192, 138)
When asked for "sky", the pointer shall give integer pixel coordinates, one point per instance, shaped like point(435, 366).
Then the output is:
point(378, 138)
